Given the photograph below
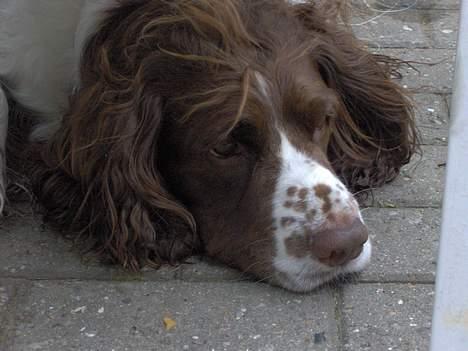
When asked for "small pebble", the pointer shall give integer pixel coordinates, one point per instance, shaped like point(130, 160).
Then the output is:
point(79, 310)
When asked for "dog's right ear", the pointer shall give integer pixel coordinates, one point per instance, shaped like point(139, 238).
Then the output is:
point(374, 133)
point(98, 175)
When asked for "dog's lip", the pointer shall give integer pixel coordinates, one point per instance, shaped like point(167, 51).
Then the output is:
point(303, 283)
point(357, 254)
point(306, 281)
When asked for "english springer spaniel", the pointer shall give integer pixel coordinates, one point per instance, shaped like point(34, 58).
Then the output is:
point(234, 128)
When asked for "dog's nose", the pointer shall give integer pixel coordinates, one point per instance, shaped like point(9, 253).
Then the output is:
point(335, 247)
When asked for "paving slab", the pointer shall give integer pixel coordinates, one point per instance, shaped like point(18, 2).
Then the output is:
point(203, 269)
point(405, 243)
point(420, 183)
point(30, 250)
point(407, 28)
point(207, 316)
point(398, 5)
point(387, 317)
point(431, 70)
point(8, 292)
point(432, 118)
point(6, 295)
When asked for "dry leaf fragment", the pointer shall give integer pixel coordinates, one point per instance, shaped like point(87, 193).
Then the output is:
point(169, 323)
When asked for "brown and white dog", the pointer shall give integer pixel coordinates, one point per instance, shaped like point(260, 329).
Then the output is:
point(233, 128)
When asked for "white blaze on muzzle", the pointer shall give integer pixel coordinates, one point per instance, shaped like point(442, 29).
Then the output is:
point(309, 198)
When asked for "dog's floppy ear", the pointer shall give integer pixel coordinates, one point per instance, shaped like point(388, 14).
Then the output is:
point(374, 133)
point(99, 175)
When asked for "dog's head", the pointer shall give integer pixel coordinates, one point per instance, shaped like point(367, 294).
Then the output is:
point(225, 127)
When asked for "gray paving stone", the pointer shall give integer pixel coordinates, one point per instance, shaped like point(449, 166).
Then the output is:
point(433, 69)
point(432, 118)
point(405, 244)
point(420, 183)
point(29, 250)
point(9, 289)
point(208, 316)
point(6, 294)
point(408, 29)
point(387, 317)
point(396, 5)
point(444, 30)
point(203, 269)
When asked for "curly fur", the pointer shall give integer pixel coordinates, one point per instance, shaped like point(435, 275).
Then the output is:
point(99, 176)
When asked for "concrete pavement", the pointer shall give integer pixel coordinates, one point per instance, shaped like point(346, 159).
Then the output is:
point(53, 299)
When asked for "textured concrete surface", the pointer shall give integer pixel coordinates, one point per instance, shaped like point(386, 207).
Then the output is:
point(398, 5)
point(405, 244)
point(387, 317)
point(409, 29)
point(51, 298)
point(430, 70)
point(432, 117)
point(419, 185)
point(208, 316)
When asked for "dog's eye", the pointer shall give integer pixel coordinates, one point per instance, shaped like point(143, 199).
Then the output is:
point(226, 149)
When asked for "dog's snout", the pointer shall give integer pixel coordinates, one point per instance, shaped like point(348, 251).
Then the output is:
point(338, 246)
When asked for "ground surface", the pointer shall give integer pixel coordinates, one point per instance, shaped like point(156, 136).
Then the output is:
point(51, 300)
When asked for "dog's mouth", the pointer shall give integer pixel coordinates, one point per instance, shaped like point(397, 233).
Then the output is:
point(313, 275)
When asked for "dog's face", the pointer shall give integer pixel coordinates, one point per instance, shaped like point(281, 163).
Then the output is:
point(258, 182)
point(222, 126)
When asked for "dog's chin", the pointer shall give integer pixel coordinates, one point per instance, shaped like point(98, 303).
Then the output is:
point(308, 280)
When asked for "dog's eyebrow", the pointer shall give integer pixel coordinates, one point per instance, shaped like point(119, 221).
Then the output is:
point(309, 100)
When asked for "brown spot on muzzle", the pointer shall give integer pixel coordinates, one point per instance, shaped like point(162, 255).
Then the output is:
point(303, 193)
point(292, 190)
point(296, 245)
point(300, 206)
point(322, 191)
point(287, 221)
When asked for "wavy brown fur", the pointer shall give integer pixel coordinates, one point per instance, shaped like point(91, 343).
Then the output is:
point(375, 132)
point(99, 174)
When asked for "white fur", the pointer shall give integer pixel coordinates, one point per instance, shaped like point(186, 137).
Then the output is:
point(312, 274)
point(301, 171)
point(40, 47)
